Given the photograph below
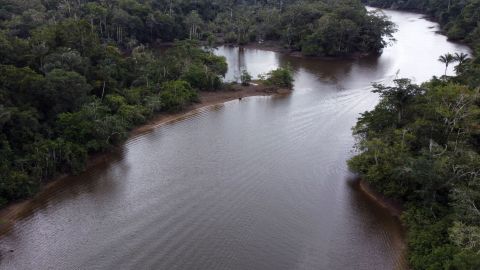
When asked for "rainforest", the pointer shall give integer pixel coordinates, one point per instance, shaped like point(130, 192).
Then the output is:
point(258, 182)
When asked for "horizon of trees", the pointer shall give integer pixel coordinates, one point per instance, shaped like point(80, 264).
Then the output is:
point(314, 27)
point(458, 18)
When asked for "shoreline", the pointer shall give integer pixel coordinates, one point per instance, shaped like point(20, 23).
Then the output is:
point(395, 208)
point(208, 99)
point(17, 210)
point(273, 47)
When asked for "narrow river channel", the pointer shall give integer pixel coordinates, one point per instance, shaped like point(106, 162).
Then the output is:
point(259, 183)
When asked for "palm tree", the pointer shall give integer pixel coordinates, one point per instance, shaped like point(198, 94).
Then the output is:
point(461, 58)
point(447, 59)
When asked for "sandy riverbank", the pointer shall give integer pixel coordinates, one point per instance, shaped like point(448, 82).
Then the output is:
point(210, 99)
point(18, 210)
point(392, 206)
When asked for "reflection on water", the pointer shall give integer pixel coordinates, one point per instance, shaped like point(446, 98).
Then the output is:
point(256, 62)
point(259, 183)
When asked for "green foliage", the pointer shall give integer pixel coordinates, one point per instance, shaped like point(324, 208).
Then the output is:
point(318, 28)
point(435, 168)
point(416, 146)
point(280, 77)
point(176, 95)
point(202, 69)
point(93, 126)
point(245, 78)
point(128, 23)
point(446, 59)
point(465, 260)
point(200, 77)
point(67, 91)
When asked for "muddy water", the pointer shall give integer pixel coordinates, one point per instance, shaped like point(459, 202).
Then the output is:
point(259, 183)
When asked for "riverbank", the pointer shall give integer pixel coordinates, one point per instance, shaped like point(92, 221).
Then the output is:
point(232, 92)
point(395, 208)
point(15, 211)
point(274, 47)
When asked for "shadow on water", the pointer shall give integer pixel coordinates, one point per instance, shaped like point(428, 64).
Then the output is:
point(69, 187)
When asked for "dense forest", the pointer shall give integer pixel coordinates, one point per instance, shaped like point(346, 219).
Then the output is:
point(77, 75)
point(421, 146)
point(315, 27)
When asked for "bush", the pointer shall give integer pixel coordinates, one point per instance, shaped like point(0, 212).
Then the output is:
point(245, 78)
point(230, 37)
point(132, 114)
point(281, 77)
point(16, 185)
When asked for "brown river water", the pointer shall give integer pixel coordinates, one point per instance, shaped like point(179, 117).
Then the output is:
point(259, 183)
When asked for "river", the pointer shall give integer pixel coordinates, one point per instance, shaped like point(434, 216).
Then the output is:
point(257, 183)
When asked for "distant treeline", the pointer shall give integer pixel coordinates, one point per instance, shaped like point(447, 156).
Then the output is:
point(458, 18)
point(421, 146)
point(315, 27)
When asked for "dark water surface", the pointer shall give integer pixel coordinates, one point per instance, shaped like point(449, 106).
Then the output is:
point(254, 184)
